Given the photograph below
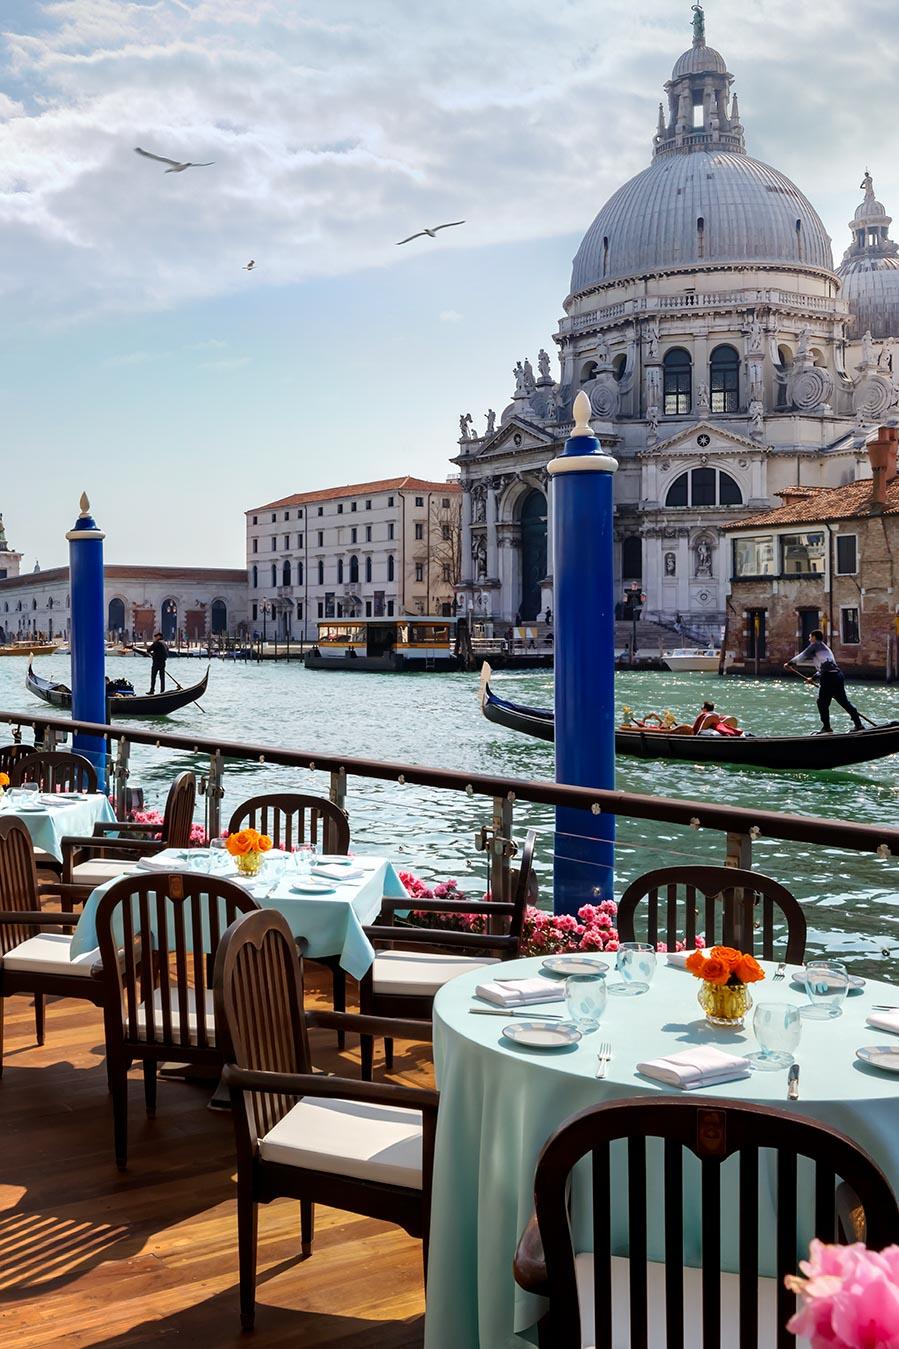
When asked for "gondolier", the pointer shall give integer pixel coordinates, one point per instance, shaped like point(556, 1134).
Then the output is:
point(831, 686)
point(159, 653)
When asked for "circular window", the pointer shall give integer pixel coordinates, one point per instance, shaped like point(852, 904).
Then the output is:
point(703, 440)
point(517, 438)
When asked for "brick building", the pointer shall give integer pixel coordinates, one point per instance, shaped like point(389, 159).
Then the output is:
point(827, 558)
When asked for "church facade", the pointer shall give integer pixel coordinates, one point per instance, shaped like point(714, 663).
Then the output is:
point(723, 355)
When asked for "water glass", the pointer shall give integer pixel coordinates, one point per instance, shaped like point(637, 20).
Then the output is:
point(31, 790)
point(274, 870)
point(199, 860)
point(827, 984)
point(636, 965)
point(585, 999)
point(302, 860)
point(219, 857)
point(777, 1027)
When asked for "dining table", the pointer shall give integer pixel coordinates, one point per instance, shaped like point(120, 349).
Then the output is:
point(500, 1102)
point(50, 817)
point(329, 905)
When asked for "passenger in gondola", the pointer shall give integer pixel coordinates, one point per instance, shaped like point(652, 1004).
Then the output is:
point(710, 722)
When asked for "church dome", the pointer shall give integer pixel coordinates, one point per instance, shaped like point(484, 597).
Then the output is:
point(699, 60)
point(701, 207)
point(869, 271)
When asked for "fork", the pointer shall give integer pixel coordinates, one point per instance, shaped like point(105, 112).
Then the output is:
point(779, 972)
point(604, 1053)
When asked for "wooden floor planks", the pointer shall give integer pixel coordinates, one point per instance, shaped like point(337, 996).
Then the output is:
point(90, 1257)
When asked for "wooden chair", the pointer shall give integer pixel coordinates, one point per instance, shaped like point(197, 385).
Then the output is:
point(10, 754)
point(116, 845)
point(56, 771)
point(32, 959)
point(404, 979)
point(158, 996)
point(727, 906)
point(363, 1147)
point(637, 1301)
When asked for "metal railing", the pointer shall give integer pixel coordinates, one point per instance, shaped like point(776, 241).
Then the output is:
point(739, 826)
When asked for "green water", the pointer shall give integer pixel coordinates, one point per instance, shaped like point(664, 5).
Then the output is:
point(853, 900)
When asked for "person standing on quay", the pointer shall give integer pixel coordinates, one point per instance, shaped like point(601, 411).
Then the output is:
point(832, 685)
point(159, 653)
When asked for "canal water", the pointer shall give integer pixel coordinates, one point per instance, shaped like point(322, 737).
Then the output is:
point(434, 719)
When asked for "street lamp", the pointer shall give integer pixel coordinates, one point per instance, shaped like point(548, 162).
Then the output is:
point(266, 610)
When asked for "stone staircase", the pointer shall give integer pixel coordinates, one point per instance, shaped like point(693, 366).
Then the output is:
point(650, 636)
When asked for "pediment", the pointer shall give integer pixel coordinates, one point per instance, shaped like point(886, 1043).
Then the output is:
point(518, 434)
point(720, 438)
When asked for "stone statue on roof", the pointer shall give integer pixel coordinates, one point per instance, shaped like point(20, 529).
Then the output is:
point(698, 26)
point(543, 363)
point(529, 382)
point(867, 184)
point(491, 421)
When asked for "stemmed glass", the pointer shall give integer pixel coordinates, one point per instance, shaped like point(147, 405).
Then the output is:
point(777, 1027)
point(636, 965)
point(827, 984)
point(585, 999)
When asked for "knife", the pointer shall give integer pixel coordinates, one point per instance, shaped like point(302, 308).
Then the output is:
point(505, 1011)
point(793, 1083)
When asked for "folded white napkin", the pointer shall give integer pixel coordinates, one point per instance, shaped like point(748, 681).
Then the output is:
point(164, 861)
point(338, 873)
point(513, 992)
point(679, 959)
point(702, 1066)
point(885, 1021)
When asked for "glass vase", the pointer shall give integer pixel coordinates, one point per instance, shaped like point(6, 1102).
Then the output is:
point(724, 1004)
point(248, 863)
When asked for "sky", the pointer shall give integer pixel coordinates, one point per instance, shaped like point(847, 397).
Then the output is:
point(141, 363)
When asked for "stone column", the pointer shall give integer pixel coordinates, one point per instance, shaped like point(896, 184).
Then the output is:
point(466, 567)
point(492, 572)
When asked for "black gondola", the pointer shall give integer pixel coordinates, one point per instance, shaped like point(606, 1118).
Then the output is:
point(121, 703)
point(807, 752)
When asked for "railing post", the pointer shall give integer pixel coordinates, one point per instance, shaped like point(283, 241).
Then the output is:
point(501, 849)
point(337, 790)
point(50, 740)
point(739, 851)
point(120, 777)
point(214, 789)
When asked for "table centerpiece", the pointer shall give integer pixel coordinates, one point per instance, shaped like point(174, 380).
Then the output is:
point(247, 846)
point(4, 782)
point(725, 973)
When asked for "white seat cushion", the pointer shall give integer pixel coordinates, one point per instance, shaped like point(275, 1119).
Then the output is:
point(49, 953)
point(349, 1138)
point(99, 870)
point(43, 858)
point(191, 1015)
point(421, 973)
point(730, 1301)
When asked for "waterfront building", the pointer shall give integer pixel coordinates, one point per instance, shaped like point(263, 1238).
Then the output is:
point(186, 603)
point(724, 357)
point(825, 558)
point(10, 560)
point(365, 550)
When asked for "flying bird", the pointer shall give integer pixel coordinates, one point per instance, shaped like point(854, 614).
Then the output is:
point(250, 265)
point(430, 233)
point(176, 167)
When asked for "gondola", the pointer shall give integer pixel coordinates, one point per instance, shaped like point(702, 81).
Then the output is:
point(806, 752)
point(121, 702)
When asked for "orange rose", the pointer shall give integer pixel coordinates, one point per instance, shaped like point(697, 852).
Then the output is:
point(716, 971)
point(728, 955)
point(4, 779)
point(263, 842)
point(749, 971)
point(238, 844)
point(695, 963)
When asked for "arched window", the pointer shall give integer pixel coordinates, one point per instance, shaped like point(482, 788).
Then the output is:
point(677, 374)
point(724, 379)
point(255, 577)
point(632, 558)
point(274, 573)
point(704, 487)
point(390, 567)
point(354, 568)
point(34, 604)
point(368, 569)
point(321, 573)
point(340, 571)
point(299, 573)
point(286, 574)
point(219, 617)
point(619, 366)
point(589, 371)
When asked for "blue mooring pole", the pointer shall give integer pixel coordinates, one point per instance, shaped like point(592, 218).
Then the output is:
point(88, 636)
point(584, 651)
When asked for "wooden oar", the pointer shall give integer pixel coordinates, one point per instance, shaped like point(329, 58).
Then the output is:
point(808, 679)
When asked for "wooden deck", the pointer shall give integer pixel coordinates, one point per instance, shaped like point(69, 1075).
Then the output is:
point(90, 1256)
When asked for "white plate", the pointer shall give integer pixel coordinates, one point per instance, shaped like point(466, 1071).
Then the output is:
point(880, 1056)
point(856, 982)
point(542, 1035)
point(312, 888)
point(574, 965)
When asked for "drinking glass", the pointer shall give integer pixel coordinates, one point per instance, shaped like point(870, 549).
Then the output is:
point(302, 860)
point(31, 790)
point(636, 965)
point(274, 870)
point(777, 1027)
point(219, 857)
point(585, 999)
point(199, 860)
point(826, 983)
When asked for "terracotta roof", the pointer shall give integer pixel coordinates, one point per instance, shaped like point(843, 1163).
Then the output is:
point(359, 489)
point(809, 506)
point(117, 572)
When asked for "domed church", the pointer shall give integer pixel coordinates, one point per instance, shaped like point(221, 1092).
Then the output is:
point(724, 357)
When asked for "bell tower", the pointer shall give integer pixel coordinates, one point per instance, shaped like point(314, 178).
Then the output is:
point(9, 559)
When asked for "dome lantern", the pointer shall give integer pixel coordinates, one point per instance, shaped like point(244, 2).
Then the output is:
point(698, 95)
point(869, 271)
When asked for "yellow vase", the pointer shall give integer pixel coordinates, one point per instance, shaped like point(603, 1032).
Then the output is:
point(724, 1004)
point(248, 863)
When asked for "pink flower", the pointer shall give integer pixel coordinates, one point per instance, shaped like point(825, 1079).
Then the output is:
point(849, 1297)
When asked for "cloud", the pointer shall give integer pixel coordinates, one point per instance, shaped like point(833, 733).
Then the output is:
point(228, 363)
point(450, 316)
point(336, 131)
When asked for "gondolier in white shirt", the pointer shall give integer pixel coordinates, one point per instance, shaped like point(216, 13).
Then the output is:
point(831, 684)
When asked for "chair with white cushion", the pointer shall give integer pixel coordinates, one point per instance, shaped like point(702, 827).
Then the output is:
point(32, 960)
point(362, 1147)
point(158, 935)
point(660, 1163)
point(406, 975)
point(116, 845)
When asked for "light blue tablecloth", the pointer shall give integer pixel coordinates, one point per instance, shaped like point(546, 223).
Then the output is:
point(331, 924)
point(51, 824)
point(499, 1103)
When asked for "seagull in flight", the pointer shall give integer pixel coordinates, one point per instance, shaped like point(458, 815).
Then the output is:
point(176, 167)
point(430, 233)
point(250, 265)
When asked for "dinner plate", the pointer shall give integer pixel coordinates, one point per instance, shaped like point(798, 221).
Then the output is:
point(312, 888)
point(542, 1035)
point(574, 965)
point(880, 1056)
point(856, 982)
point(31, 810)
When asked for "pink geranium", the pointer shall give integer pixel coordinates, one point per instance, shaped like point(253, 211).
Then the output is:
point(849, 1297)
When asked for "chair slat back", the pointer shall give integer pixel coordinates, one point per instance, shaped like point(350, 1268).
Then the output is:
point(713, 1132)
point(55, 771)
point(725, 905)
point(157, 935)
point(259, 1009)
point(292, 819)
point(18, 882)
point(179, 811)
point(523, 885)
point(10, 754)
